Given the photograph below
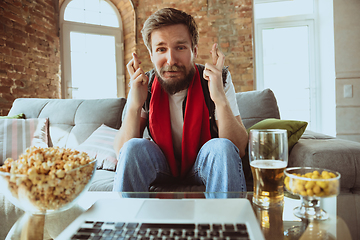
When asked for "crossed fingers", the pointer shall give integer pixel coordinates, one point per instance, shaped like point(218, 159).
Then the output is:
point(218, 60)
point(136, 73)
point(133, 65)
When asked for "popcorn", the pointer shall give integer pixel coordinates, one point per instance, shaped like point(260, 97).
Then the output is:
point(48, 178)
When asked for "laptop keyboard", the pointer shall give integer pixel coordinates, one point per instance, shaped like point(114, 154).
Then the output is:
point(158, 231)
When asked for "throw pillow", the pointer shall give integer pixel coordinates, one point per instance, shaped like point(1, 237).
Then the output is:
point(19, 116)
point(100, 146)
point(294, 128)
point(18, 134)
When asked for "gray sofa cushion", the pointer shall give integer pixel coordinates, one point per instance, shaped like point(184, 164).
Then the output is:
point(308, 134)
point(330, 153)
point(71, 121)
point(255, 106)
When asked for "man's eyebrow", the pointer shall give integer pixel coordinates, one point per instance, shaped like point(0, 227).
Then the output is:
point(160, 44)
point(182, 42)
point(178, 42)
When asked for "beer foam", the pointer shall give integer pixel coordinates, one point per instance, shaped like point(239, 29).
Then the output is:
point(268, 164)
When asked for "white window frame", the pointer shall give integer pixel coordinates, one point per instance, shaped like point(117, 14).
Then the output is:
point(294, 21)
point(68, 26)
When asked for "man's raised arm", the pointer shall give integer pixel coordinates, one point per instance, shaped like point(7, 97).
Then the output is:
point(133, 124)
point(230, 126)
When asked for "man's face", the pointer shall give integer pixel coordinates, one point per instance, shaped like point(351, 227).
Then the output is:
point(173, 57)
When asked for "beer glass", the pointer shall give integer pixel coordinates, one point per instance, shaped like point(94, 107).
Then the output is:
point(268, 157)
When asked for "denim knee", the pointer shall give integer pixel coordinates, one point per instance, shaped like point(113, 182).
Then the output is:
point(220, 145)
point(134, 145)
point(219, 166)
point(132, 150)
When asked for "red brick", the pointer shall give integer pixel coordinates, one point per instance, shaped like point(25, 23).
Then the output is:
point(38, 27)
point(14, 9)
point(6, 21)
point(19, 68)
point(5, 50)
point(6, 82)
point(16, 46)
point(29, 29)
point(4, 89)
point(22, 92)
point(30, 71)
point(14, 75)
point(225, 45)
point(20, 33)
point(20, 83)
point(17, 3)
point(9, 98)
point(41, 74)
point(16, 53)
point(3, 73)
point(19, 40)
point(6, 66)
point(15, 18)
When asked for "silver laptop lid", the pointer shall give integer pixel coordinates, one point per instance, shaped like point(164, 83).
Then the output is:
point(166, 211)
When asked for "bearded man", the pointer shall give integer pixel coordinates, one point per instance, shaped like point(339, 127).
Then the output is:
point(190, 110)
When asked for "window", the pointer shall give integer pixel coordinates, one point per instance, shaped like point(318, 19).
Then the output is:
point(92, 47)
point(285, 46)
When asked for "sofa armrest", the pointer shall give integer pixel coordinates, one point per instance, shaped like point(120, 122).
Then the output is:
point(330, 153)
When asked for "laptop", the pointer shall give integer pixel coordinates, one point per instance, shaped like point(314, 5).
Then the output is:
point(139, 218)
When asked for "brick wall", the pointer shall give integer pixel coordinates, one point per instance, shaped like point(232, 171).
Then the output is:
point(29, 51)
point(30, 44)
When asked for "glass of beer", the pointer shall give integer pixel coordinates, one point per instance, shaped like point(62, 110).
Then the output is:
point(268, 157)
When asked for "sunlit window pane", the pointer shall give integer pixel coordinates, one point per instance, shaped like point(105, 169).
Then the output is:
point(97, 12)
point(77, 42)
point(92, 5)
point(286, 70)
point(284, 8)
point(74, 14)
point(93, 64)
point(77, 4)
point(106, 8)
point(92, 17)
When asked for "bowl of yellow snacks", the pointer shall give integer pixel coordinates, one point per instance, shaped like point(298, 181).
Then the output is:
point(45, 180)
point(311, 184)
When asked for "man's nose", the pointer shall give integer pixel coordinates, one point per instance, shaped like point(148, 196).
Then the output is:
point(171, 57)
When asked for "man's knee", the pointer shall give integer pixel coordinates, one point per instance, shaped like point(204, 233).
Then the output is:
point(140, 152)
point(134, 144)
point(131, 151)
point(222, 145)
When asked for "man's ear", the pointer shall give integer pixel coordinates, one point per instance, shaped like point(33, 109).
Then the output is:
point(151, 56)
point(195, 51)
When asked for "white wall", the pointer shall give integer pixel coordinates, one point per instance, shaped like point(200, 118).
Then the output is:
point(347, 66)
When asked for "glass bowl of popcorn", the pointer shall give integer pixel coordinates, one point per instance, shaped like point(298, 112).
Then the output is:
point(311, 184)
point(46, 180)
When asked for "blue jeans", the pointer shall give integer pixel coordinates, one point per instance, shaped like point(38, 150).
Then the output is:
point(141, 162)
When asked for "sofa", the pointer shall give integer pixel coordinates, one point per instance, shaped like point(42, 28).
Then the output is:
point(90, 125)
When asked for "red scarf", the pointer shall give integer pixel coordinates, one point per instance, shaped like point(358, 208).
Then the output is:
point(196, 130)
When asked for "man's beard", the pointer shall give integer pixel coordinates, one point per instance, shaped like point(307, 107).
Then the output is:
point(175, 86)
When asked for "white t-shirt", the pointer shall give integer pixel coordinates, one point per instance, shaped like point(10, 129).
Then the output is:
point(177, 118)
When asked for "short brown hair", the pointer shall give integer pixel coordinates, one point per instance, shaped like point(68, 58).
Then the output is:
point(167, 17)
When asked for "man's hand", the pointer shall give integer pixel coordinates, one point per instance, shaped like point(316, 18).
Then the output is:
point(138, 83)
point(230, 126)
point(213, 73)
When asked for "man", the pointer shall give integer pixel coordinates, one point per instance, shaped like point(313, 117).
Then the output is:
point(190, 111)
